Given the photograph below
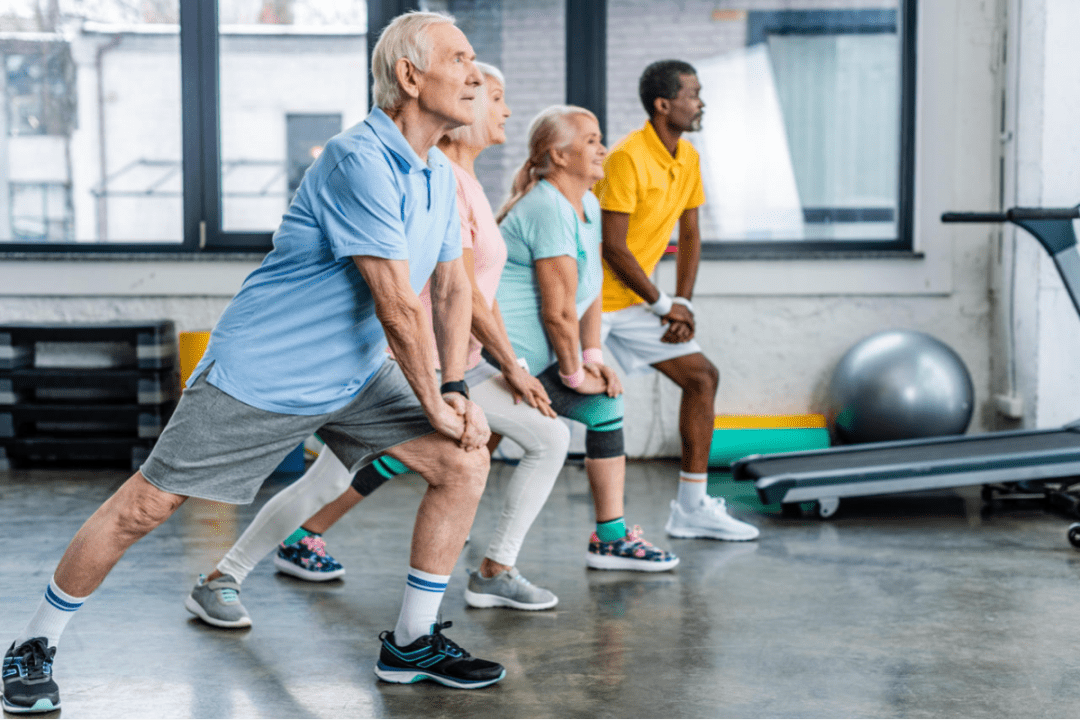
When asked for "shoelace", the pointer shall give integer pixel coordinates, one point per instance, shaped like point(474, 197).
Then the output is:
point(35, 656)
point(634, 535)
point(228, 595)
point(441, 643)
point(315, 543)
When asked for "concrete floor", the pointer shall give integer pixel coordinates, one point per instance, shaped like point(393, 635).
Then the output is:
point(905, 606)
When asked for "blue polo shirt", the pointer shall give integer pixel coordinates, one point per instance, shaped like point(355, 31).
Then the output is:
point(544, 224)
point(301, 336)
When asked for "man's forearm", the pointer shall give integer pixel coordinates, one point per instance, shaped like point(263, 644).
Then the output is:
point(687, 263)
point(451, 310)
point(407, 333)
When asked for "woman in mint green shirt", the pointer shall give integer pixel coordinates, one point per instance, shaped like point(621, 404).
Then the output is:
point(549, 295)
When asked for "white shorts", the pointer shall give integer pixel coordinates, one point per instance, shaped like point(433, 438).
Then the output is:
point(633, 337)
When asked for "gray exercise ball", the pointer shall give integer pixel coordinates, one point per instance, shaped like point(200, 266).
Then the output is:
point(897, 385)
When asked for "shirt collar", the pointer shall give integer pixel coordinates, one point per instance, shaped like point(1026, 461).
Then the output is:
point(391, 138)
point(656, 147)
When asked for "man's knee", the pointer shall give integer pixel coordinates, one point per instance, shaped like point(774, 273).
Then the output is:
point(467, 470)
point(700, 377)
point(140, 507)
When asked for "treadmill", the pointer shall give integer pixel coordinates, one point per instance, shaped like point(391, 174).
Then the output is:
point(1045, 460)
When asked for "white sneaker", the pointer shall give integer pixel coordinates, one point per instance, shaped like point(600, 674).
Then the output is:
point(709, 519)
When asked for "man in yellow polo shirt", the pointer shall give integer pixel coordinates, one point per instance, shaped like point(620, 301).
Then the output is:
point(651, 182)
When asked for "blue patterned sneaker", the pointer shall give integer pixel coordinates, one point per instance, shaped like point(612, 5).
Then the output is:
point(629, 553)
point(28, 683)
point(308, 560)
point(434, 657)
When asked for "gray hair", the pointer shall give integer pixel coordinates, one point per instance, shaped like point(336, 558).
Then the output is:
point(475, 133)
point(405, 37)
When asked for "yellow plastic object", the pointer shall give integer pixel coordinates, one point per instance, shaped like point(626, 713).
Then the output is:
point(192, 347)
point(766, 422)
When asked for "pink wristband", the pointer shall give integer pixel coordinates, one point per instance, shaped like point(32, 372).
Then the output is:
point(574, 379)
point(593, 355)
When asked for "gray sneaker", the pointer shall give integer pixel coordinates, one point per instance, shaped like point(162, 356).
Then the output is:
point(218, 602)
point(507, 589)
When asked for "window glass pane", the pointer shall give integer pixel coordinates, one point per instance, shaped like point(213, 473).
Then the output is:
point(293, 75)
point(90, 125)
point(526, 40)
point(801, 134)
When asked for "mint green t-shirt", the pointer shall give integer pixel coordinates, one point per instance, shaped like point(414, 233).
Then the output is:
point(544, 224)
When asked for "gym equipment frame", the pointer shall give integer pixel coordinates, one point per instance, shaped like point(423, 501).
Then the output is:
point(1046, 461)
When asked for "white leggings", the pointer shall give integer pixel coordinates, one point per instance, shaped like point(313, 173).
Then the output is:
point(544, 440)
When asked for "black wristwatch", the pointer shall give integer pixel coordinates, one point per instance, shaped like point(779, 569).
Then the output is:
point(455, 386)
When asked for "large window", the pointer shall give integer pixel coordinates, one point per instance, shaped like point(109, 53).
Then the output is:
point(185, 125)
point(805, 143)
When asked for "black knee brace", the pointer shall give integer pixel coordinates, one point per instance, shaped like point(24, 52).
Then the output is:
point(600, 444)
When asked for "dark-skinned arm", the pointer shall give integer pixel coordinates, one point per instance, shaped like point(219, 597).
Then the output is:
point(628, 270)
point(686, 267)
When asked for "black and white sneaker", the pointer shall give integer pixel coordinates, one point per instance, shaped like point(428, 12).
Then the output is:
point(434, 657)
point(28, 683)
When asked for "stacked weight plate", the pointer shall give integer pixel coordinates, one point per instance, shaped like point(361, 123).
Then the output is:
point(85, 395)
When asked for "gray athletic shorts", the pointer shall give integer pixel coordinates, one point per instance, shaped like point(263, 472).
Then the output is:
point(218, 448)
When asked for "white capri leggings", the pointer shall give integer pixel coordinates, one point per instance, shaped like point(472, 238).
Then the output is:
point(544, 440)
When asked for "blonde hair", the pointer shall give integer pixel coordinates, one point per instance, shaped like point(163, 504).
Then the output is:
point(550, 130)
point(405, 37)
point(475, 133)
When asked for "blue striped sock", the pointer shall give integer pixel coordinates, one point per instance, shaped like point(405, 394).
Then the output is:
point(53, 613)
point(420, 607)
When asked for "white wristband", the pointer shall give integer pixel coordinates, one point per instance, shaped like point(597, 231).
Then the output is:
point(662, 306)
point(523, 364)
point(684, 302)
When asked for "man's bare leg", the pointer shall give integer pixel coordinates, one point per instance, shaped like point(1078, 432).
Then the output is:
point(699, 380)
point(456, 480)
point(125, 518)
point(694, 514)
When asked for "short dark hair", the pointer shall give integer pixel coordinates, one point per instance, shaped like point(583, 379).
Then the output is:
point(662, 80)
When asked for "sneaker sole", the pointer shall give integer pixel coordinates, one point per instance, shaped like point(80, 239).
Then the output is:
point(611, 562)
point(44, 705)
point(193, 607)
point(710, 535)
point(284, 566)
point(407, 676)
point(483, 600)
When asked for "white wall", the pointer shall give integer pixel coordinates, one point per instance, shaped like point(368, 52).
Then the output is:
point(774, 328)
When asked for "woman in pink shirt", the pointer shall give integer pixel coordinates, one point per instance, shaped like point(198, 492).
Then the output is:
point(515, 403)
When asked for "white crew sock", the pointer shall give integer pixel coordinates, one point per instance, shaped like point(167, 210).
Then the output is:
point(691, 489)
point(420, 608)
point(52, 616)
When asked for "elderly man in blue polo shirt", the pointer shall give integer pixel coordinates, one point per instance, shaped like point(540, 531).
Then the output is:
point(302, 348)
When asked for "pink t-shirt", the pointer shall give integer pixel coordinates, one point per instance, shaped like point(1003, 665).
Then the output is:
point(479, 232)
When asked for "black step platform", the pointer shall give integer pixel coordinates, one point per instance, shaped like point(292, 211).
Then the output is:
point(64, 385)
point(82, 395)
point(134, 421)
point(74, 452)
point(154, 343)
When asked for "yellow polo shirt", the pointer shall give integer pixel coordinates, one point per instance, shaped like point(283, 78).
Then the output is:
point(642, 179)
